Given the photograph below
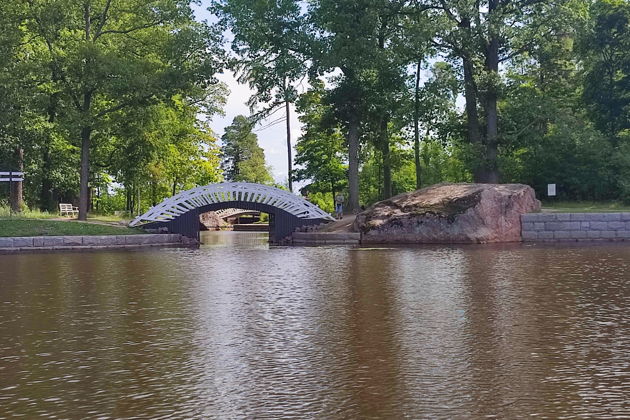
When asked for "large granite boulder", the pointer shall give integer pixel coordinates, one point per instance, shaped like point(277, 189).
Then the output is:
point(211, 221)
point(449, 213)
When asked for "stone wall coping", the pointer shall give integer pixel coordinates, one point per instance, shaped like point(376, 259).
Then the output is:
point(579, 217)
point(34, 243)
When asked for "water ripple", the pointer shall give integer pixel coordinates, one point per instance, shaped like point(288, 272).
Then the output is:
point(245, 331)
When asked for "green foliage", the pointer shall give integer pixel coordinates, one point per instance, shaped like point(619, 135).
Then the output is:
point(320, 150)
point(103, 60)
point(109, 202)
point(5, 212)
point(242, 158)
point(443, 164)
point(572, 155)
point(124, 80)
point(607, 81)
point(537, 92)
point(271, 41)
point(323, 200)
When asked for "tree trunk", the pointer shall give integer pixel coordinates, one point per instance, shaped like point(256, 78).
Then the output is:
point(86, 130)
point(174, 187)
point(387, 162)
point(289, 154)
point(132, 195)
point(153, 192)
point(492, 124)
point(86, 134)
point(46, 193)
point(416, 127)
point(98, 197)
point(128, 199)
point(353, 164)
point(139, 200)
point(472, 117)
point(17, 198)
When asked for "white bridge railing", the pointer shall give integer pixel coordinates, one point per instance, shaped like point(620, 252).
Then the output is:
point(225, 213)
point(185, 201)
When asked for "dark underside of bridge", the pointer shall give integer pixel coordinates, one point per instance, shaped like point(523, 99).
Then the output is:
point(281, 223)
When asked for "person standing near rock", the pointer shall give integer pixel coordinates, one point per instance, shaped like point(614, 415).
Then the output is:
point(339, 200)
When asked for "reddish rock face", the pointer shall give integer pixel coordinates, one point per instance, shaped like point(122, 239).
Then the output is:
point(211, 220)
point(449, 213)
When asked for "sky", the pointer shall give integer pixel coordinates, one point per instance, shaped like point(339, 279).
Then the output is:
point(272, 139)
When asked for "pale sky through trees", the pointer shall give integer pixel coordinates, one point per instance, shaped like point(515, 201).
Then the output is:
point(271, 139)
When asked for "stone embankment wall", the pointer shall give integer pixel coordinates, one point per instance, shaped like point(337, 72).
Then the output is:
point(551, 227)
point(34, 243)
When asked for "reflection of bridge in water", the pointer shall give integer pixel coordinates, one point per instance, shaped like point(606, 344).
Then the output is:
point(180, 213)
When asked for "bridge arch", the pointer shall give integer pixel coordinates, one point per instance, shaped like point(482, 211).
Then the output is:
point(180, 213)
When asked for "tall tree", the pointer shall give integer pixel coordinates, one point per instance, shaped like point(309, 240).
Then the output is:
point(346, 42)
point(112, 55)
point(15, 103)
point(434, 110)
point(242, 158)
point(483, 35)
point(321, 153)
point(607, 83)
point(271, 44)
point(165, 146)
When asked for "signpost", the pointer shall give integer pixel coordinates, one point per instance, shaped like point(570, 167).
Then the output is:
point(11, 177)
point(551, 190)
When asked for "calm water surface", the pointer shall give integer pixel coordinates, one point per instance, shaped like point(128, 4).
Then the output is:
point(236, 329)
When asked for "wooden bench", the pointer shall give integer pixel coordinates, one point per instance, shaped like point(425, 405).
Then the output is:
point(68, 209)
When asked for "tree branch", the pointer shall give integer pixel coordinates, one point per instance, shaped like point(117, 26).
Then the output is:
point(101, 24)
point(121, 106)
point(134, 29)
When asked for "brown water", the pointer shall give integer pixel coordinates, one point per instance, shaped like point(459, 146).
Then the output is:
point(240, 330)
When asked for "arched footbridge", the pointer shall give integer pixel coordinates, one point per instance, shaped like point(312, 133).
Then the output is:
point(180, 213)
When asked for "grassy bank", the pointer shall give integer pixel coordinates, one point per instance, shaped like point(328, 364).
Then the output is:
point(584, 206)
point(5, 213)
point(43, 227)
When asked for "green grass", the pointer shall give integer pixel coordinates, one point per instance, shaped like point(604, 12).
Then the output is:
point(5, 212)
point(107, 218)
point(39, 227)
point(584, 206)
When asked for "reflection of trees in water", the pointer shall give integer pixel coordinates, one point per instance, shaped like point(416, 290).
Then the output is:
point(372, 336)
point(228, 238)
point(525, 327)
point(465, 331)
point(97, 332)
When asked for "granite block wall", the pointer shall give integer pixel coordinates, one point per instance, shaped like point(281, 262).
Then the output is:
point(575, 227)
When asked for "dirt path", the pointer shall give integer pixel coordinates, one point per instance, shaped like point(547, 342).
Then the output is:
point(343, 225)
point(93, 222)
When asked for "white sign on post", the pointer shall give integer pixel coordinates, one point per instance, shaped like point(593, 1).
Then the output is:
point(551, 190)
point(11, 176)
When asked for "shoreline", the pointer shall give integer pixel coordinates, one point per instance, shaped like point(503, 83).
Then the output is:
point(17, 244)
point(542, 227)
